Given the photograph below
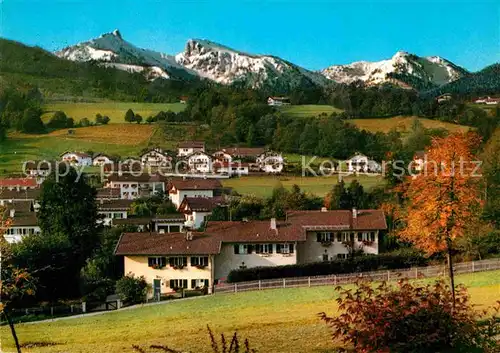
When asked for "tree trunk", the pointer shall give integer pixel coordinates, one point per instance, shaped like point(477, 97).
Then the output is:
point(12, 330)
point(450, 269)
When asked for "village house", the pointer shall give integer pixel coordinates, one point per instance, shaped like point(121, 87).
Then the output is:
point(187, 148)
point(108, 194)
point(18, 184)
point(39, 169)
point(197, 209)
point(113, 209)
point(361, 163)
point(270, 162)
point(168, 223)
point(487, 100)
point(23, 220)
point(229, 154)
point(133, 186)
point(231, 168)
point(278, 101)
point(155, 158)
point(7, 196)
point(304, 237)
point(178, 188)
point(77, 158)
point(199, 162)
point(170, 261)
point(101, 159)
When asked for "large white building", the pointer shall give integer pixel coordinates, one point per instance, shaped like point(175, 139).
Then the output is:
point(77, 158)
point(305, 237)
point(179, 188)
point(187, 148)
point(199, 162)
point(198, 209)
point(155, 158)
point(133, 186)
point(23, 219)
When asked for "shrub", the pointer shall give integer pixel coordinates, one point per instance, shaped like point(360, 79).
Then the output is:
point(363, 263)
point(60, 121)
point(410, 318)
point(132, 289)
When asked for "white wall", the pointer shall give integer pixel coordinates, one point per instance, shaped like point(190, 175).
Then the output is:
point(15, 234)
point(227, 260)
point(179, 196)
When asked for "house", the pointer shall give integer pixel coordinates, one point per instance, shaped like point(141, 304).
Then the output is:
point(133, 185)
point(187, 148)
point(199, 162)
point(361, 163)
point(270, 162)
point(108, 194)
point(18, 195)
point(278, 101)
point(231, 168)
point(18, 184)
point(444, 97)
point(481, 100)
point(101, 159)
point(77, 158)
point(183, 99)
point(123, 167)
point(141, 224)
point(23, 220)
point(170, 261)
point(39, 169)
point(197, 209)
point(168, 223)
point(155, 158)
point(228, 154)
point(178, 188)
point(492, 101)
point(304, 237)
point(113, 209)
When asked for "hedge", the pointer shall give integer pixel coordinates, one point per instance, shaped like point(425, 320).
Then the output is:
point(365, 263)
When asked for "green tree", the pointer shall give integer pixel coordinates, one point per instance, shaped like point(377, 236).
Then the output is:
point(98, 118)
point(31, 122)
point(491, 175)
point(132, 289)
point(251, 136)
point(129, 116)
point(105, 120)
point(84, 122)
point(59, 121)
point(138, 118)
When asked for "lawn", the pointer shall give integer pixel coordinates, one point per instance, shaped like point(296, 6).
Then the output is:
point(263, 185)
point(280, 320)
point(115, 110)
point(311, 110)
point(114, 139)
point(403, 124)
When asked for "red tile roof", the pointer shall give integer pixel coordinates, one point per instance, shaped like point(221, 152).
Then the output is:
point(254, 231)
point(130, 177)
point(167, 244)
point(18, 182)
point(192, 144)
point(195, 184)
point(108, 193)
point(244, 151)
point(28, 194)
point(200, 204)
point(114, 205)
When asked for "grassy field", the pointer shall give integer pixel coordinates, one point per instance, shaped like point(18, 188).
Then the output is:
point(263, 185)
point(115, 110)
point(403, 124)
point(119, 139)
point(311, 110)
point(281, 320)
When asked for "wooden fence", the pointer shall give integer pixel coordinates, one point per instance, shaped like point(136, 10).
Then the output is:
point(350, 278)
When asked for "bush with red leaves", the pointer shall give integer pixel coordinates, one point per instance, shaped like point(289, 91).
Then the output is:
point(412, 318)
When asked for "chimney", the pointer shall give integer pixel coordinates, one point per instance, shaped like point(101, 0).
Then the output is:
point(354, 213)
point(323, 209)
point(12, 213)
point(273, 224)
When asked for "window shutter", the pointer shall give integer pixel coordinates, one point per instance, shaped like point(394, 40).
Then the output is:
point(258, 249)
point(236, 249)
point(193, 284)
point(360, 236)
point(290, 247)
point(270, 248)
point(184, 283)
point(172, 284)
point(150, 261)
point(278, 248)
point(194, 261)
point(318, 237)
point(249, 248)
point(163, 262)
point(205, 261)
point(171, 261)
point(185, 262)
point(206, 282)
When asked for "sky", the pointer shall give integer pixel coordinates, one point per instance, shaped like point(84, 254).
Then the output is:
point(313, 34)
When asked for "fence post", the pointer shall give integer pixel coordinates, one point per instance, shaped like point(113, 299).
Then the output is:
point(284, 283)
point(472, 266)
point(334, 280)
point(388, 276)
point(260, 285)
point(51, 311)
point(235, 288)
point(416, 272)
point(84, 307)
point(71, 307)
point(118, 304)
point(27, 311)
point(309, 281)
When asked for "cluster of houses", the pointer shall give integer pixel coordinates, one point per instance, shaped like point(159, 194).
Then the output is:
point(487, 100)
point(195, 159)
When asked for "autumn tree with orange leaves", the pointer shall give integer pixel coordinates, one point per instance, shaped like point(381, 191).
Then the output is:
point(444, 198)
point(15, 283)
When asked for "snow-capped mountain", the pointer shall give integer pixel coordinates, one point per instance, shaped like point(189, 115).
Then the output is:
point(225, 65)
point(403, 68)
point(112, 50)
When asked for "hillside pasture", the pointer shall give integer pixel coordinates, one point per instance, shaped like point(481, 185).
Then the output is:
point(308, 110)
point(274, 320)
point(114, 110)
point(403, 124)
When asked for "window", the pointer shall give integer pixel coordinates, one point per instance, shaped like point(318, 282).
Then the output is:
point(175, 229)
point(118, 215)
point(199, 283)
point(179, 283)
point(361, 236)
point(199, 260)
point(177, 261)
point(345, 236)
point(341, 256)
point(264, 248)
point(284, 248)
point(325, 257)
point(243, 248)
point(324, 237)
point(157, 262)
point(372, 236)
